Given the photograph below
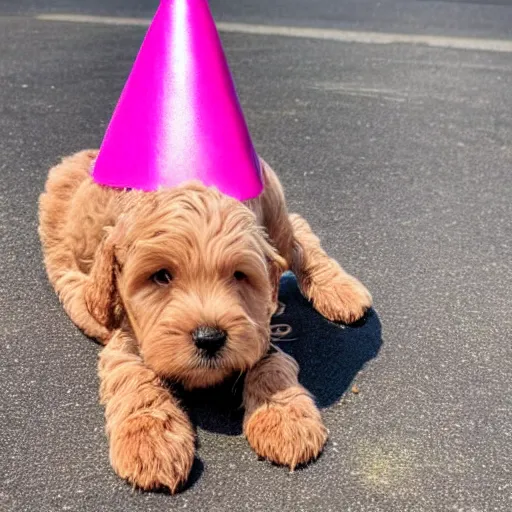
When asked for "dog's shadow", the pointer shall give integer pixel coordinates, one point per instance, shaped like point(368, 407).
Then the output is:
point(329, 355)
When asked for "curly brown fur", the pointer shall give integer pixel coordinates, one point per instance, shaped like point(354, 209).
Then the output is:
point(152, 441)
point(281, 420)
point(221, 261)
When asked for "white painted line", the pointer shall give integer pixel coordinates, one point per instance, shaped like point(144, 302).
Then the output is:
point(346, 36)
point(352, 36)
point(102, 20)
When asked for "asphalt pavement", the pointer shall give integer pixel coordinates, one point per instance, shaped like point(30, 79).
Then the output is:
point(398, 154)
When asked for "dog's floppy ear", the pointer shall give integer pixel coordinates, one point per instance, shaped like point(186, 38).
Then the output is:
point(101, 296)
point(276, 266)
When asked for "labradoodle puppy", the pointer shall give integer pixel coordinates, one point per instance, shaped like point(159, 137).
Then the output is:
point(180, 284)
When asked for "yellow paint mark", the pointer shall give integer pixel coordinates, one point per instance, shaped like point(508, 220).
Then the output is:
point(389, 467)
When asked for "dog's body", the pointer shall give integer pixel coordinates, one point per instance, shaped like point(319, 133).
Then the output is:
point(181, 284)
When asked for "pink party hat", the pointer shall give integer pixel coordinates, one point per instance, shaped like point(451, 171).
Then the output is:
point(179, 117)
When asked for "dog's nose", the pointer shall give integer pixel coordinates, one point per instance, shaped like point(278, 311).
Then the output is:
point(209, 339)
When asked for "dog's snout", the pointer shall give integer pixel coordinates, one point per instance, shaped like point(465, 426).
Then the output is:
point(210, 339)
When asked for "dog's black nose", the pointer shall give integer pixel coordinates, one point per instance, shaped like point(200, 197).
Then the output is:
point(209, 339)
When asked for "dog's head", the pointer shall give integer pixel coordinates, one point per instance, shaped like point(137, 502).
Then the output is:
point(194, 277)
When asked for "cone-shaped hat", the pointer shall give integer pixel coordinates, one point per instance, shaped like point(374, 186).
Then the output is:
point(179, 117)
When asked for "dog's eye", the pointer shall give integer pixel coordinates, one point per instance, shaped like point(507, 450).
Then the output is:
point(162, 278)
point(239, 276)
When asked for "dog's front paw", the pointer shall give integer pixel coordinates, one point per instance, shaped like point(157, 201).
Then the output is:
point(152, 449)
point(344, 299)
point(288, 432)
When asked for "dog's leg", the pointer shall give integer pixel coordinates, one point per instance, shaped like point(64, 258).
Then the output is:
point(282, 422)
point(335, 294)
point(152, 442)
point(72, 215)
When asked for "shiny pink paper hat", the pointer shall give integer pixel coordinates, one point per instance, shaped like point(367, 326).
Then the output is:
point(178, 117)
